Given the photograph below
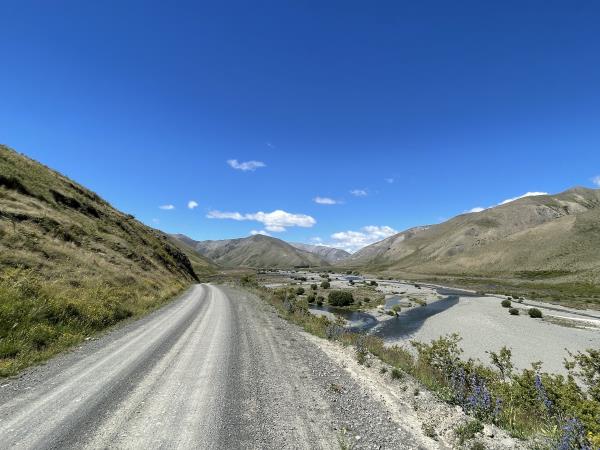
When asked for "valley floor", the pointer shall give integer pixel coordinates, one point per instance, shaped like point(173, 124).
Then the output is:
point(481, 321)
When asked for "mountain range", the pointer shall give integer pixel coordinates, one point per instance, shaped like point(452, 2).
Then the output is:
point(544, 236)
point(253, 251)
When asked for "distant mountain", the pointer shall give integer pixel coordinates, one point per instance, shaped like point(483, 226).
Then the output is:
point(330, 254)
point(540, 236)
point(253, 251)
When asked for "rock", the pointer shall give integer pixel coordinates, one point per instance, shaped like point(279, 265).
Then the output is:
point(488, 431)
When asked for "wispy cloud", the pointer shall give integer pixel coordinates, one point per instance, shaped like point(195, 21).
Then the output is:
point(192, 204)
point(351, 241)
point(596, 180)
point(359, 192)
point(167, 207)
point(275, 221)
point(261, 232)
point(389, 180)
point(504, 202)
point(270, 144)
point(325, 201)
point(246, 165)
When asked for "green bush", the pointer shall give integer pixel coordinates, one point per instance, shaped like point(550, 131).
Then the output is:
point(325, 285)
point(535, 313)
point(513, 311)
point(300, 291)
point(366, 300)
point(396, 374)
point(313, 287)
point(468, 431)
point(340, 298)
point(505, 303)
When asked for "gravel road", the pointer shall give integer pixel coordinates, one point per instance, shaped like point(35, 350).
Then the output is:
point(216, 368)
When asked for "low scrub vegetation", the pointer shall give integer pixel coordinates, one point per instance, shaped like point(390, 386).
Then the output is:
point(558, 411)
point(340, 298)
point(535, 313)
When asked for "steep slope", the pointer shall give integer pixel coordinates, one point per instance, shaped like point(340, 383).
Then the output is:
point(254, 251)
point(201, 264)
point(71, 264)
point(550, 235)
point(329, 254)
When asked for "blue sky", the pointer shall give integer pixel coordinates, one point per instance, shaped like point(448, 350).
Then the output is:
point(423, 109)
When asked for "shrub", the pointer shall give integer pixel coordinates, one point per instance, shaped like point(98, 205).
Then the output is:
point(300, 291)
point(319, 301)
point(325, 285)
point(366, 300)
point(535, 313)
point(513, 311)
point(468, 431)
point(340, 298)
point(373, 283)
point(361, 349)
point(505, 303)
point(313, 287)
point(396, 374)
point(311, 298)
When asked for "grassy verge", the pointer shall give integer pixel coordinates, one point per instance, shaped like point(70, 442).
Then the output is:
point(552, 410)
point(40, 318)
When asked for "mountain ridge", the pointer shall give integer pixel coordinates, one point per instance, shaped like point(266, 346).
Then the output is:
point(253, 251)
point(530, 234)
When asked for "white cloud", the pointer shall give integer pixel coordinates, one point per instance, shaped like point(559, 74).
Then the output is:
point(246, 165)
point(596, 180)
point(276, 221)
point(167, 207)
point(192, 204)
point(527, 194)
point(359, 192)
point(261, 232)
point(389, 180)
point(325, 201)
point(504, 202)
point(316, 240)
point(354, 240)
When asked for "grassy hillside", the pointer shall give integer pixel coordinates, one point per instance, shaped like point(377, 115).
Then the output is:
point(546, 246)
point(254, 251)
point(70, 264)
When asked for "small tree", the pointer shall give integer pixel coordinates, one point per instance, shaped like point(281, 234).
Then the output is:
point(325, 284)
point(340, 298)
